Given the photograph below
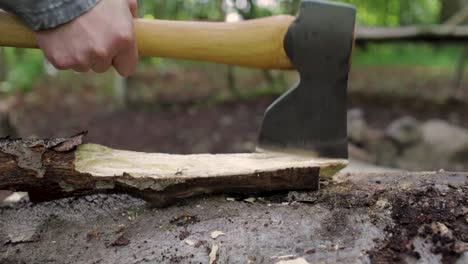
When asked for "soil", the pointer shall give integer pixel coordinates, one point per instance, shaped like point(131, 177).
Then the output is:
point(378, 218)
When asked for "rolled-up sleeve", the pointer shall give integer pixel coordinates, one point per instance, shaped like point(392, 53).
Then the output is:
point(47, 14)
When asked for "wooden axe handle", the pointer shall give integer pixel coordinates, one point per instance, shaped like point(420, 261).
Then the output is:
point(254, 43)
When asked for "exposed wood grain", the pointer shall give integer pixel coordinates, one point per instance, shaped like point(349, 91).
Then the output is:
point(59, 168)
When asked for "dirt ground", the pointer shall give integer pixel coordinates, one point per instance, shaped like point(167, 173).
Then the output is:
point(393, 217)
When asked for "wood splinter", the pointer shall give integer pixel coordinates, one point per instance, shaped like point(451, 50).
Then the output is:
point(51, 169)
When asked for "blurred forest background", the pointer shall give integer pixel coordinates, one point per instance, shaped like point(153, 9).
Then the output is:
point(408, 101)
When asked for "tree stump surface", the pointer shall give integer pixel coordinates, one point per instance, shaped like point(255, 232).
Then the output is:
point(384, 217)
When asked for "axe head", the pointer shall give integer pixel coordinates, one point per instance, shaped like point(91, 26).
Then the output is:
point(311, 117)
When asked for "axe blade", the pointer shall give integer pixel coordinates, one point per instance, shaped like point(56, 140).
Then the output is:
point(311, 117)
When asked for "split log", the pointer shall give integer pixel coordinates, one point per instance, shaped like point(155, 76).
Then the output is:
point(50, 169)
point(435, 33)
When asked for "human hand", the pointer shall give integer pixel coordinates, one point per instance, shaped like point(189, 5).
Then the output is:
point(98, 39)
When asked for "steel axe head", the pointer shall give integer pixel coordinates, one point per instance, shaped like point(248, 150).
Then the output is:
point(311, 117)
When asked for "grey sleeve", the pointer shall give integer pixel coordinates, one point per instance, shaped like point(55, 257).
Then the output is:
point(47, 14)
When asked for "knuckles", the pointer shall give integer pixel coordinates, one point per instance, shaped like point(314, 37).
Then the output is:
point(124, 39)
point(85, 57)
point(100, 53)
point(60, 62)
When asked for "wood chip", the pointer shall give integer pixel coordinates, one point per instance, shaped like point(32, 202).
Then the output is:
point(283, 257)
point(294, 261)
point(216, 234)
point(214, 253)
point(250, 200)
point(189, 242)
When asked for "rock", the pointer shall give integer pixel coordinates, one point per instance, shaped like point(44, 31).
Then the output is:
point(356, 126)
point(383, 153)
point(444, 138)
point(442, 146)
point(357, 153)
point(404, 131)
point(420, 157)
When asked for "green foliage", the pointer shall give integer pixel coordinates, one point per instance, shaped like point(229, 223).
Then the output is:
point(407, 54)
point(26, 66)
point(181, 9)
point(396, 12)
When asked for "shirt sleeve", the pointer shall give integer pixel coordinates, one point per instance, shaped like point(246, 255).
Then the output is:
point(47, 14)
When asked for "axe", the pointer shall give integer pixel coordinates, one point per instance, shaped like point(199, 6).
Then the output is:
point(310, 118)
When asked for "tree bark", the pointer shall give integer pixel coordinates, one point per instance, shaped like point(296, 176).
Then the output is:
point(51, 169)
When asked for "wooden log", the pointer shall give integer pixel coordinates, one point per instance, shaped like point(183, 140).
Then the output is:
point(50, 169)
point(434, 33)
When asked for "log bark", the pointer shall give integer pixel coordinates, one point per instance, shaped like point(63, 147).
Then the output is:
point(434, 33)
point(51, 169)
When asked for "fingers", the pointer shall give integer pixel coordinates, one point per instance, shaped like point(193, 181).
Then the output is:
point(133, 5)
point(96, 40)
point(102, 66)
point(125, 62)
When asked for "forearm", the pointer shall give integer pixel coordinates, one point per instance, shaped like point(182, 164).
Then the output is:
point(47, 14)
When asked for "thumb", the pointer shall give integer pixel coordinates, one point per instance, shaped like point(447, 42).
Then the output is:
point(133, 5)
